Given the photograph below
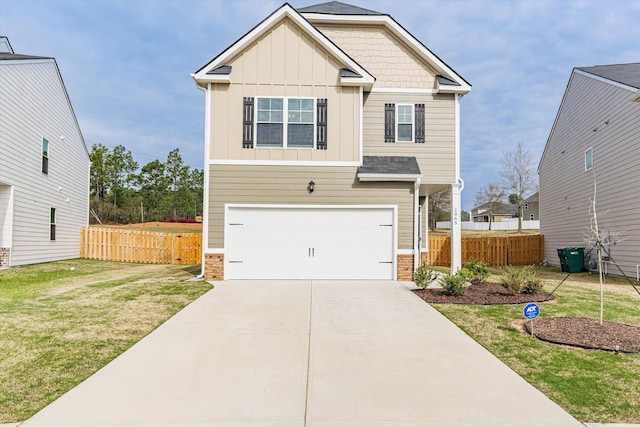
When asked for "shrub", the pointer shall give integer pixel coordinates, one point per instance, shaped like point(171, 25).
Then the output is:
point(453, 284)
point(468, 274)
point(520, 280)
point(479, 269)
point(423, 276)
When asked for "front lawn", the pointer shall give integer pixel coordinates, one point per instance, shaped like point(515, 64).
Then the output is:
point(593, 386)
point(62, 321)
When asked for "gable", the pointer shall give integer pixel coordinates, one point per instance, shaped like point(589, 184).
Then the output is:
point(383, 54)
point(285, 54)
point(290, 18)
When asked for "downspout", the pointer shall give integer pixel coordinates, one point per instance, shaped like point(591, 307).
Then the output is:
point(205, 187)
point(416, 225)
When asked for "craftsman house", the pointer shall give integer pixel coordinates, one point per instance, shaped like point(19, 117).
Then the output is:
point(326, 129)
point(44, 164)
point(595, 139)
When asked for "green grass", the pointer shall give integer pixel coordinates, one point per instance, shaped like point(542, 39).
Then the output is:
point(593, 386)
point(59, 325)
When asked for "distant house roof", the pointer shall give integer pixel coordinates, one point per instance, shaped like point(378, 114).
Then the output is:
point(627, 74)
point(498, 209)
point(337, 8)
point(387, 168)
point(533, 198)
point(4, 56)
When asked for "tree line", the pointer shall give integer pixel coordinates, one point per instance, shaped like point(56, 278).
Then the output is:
point(123, 192)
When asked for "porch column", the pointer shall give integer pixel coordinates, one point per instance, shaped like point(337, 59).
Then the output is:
point(456, 226)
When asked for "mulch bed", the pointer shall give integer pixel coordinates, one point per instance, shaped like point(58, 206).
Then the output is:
point(572, 331)
point(587, 333)
point(484, 293)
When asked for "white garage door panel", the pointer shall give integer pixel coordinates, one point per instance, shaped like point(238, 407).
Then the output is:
point(324, 243)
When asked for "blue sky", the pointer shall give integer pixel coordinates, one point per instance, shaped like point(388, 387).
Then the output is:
point(127, 64)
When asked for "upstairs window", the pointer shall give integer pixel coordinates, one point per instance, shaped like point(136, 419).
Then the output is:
point(588, 159)
point(52, 224)
point(45, 156)
point(285, 123)
point(404, 123)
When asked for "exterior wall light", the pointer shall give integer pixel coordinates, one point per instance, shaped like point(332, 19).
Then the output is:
point(311, 186)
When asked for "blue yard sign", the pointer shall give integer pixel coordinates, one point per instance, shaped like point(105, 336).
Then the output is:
point(531, 311)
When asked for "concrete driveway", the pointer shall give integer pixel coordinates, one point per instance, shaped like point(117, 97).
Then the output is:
point(305, 353)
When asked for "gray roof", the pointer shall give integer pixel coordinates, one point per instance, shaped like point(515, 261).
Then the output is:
point(499, 208)
point(5, 56)
point(533, 198)
point(627, 74)
point(345, 72)
point(222, 70)
point(392, 165)
point(337, 8)
point(445, 81)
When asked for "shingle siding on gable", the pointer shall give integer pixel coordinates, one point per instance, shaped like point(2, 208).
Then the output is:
point(383, 55)
point(566, 188)
point(34, 105)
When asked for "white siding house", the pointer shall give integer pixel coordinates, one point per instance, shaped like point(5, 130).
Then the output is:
point(596, 136)
point(44, 163)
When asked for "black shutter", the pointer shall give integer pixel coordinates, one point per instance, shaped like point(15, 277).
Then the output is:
point(247, 123)
point(322, 124)
point(389, 122)
point(419, 119)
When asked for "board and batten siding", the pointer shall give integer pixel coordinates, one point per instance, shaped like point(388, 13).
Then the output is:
point(436, 156)
point(287, 185)
point(33, 105)
point(382, 54)
point(566, 189)
point(285, 63)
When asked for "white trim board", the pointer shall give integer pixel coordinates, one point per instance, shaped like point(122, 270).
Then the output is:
point(281, 163)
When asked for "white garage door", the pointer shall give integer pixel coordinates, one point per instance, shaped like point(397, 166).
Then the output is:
point(309, 243)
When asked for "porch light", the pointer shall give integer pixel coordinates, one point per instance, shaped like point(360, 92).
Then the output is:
point(311, 186)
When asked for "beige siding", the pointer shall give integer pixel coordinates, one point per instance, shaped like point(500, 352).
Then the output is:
point(288, 185)
point(391, 62)
point(566, 188)
point(285, 62)
point(437, 155)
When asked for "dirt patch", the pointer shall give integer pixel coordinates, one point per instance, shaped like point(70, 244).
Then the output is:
point(587, 333)
point(197, 226)
point(483, 293)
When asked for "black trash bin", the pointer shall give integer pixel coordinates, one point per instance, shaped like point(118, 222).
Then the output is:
point(571, 259)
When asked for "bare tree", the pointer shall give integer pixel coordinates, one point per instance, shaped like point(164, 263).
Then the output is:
point(519, 177)
point(492, 197)
point(439, 203)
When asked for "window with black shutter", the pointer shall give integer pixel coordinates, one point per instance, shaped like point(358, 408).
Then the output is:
point(419, 120)
point(322, 124)
point(247, 123)
point(389, 122)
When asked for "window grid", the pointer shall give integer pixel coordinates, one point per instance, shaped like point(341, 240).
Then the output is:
point(405, 123)
point(300, 123)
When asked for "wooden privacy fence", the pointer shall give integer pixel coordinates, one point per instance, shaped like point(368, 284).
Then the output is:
point(494, 251)
point(113, 244)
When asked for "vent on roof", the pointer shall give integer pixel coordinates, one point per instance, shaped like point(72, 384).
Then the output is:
point(345, 72)
point(221, 70)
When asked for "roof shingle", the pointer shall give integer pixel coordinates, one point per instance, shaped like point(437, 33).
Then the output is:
point(337, 8)
point(627, 74)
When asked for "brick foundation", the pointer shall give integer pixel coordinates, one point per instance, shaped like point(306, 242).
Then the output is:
point(405, 268)
point(214, 267)
point(424, 256)
point(5, 257)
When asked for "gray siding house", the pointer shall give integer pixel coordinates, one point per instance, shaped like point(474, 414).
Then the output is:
point(44, 164)
point(595, 137)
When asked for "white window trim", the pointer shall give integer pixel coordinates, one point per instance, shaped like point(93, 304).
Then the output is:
point(413, 122)
point(585, 159)
point(285, 123)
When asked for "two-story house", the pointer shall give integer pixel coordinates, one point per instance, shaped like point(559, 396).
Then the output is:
point(326, 129)
point(44, 163)
point(592, 154)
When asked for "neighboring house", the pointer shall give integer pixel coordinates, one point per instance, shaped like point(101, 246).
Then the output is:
point(44, 164)
point(326, 129)
point(494, 212)
point(595, 136)
point(531, 208)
